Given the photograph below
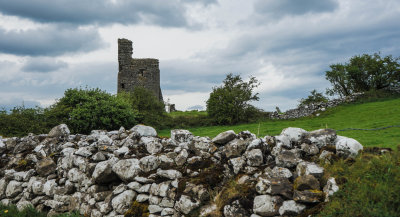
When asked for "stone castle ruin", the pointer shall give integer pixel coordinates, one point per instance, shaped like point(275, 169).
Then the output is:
point(137, 72)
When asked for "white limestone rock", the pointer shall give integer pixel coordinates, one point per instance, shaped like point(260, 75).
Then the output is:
point(152, 144)
point(224, 137)
point(59, 131)
point(309, 168)
point(13, 189)
point(290, 207)
point(185, 204)
point(347, 147)
point(330, 188)
point(266, 205)
point(254, 157)
point(127, 169)
point(142, 130)
point(121, 202)
point(170, 174)
point(180, 135)
point(149, 163)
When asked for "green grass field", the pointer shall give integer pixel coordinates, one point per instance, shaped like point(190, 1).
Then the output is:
point(358, 115)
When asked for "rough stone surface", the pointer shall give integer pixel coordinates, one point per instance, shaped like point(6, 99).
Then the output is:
point(224, 137)
point(122, 202)
point(266, 205)
point(144, 131)
point(59, 131)
point(347, 147)
point(46, 166)
point(185, 204)
point(127, 169)
point(181, 136)
point(290, 207)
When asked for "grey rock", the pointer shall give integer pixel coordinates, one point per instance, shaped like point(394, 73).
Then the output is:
point(127, 169)
point(306, 182)
point(237, 164)
point(274, 186)
point(290, 207)
point(254, 157)
point(224, 137)
point(235, 209)
point(155, 209)
point(142, 130)
point(266, 205)
point(46, 166)
point(287, 159)
point(235, 148)
point(330, 188)
point(99, 157)
point(23, 204)
point(152, 144)
point(309, 168)
point(59, 131)
point(310, 149)
point(185, 204)
point(13, 189)
point(308, 196)
point(322, 137)
point(170, 174)
point(180, 135)
point(121, 202)
point(181, 158)
point(85, 151)
point(149, 163)
point(142, 198)
point(347, 147)
point(103, 172)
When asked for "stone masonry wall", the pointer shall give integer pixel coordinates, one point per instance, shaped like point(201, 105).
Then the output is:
point(314, 108)
point(112, 173)
point(137, 72)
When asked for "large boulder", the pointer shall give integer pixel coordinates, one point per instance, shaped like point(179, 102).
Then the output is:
point(127, 169)
point(347, 147)
point(142, 130)
point(59, 131)
point(224, 137)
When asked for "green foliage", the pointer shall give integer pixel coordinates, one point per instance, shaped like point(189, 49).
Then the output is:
point(370, 186)
point(12, 211)
point(84, 110)
point(151, 111)
point(363, 73)
point(20, 121)
point(229, 103)
point(314, 97)
point(372, 114)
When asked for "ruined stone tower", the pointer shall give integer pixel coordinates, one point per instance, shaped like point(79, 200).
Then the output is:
point(137, 72)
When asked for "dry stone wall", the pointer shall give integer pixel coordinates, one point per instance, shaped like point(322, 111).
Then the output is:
point(314, 108)
point(109, 173)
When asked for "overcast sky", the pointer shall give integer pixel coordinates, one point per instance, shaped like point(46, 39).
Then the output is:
point(48, 46)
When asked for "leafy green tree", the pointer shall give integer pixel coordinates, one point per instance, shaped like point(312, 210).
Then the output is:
point(314, 97)
point(229, 103)
point(363, 73)
point(84, 110)
point(151, 111)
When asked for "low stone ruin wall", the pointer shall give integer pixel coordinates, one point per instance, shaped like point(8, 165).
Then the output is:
point(120, 172)
point(314, 108)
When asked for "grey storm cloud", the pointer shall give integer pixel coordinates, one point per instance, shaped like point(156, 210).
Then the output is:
point(158, 12)
point(293, 7)
point(50, 40)
point(43, 65)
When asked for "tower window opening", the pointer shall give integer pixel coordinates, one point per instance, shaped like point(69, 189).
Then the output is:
point(122, 85)
point(141, 72)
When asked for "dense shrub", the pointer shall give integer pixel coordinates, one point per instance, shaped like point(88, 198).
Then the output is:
point(229, 103)
point(20, 121)
point(84, 110)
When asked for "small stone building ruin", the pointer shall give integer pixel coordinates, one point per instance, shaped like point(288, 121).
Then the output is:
point(137, 72)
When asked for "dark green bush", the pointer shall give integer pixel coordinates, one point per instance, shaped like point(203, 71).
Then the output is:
point(84, 110)
point(150, 110)
point(314, 97)
point(229, 103)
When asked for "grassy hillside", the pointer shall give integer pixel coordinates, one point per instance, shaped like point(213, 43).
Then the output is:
point(358, 115)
